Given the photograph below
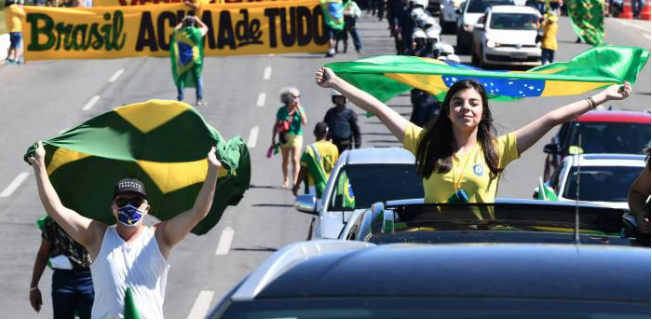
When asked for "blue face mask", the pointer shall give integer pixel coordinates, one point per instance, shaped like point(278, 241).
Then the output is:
point(130, 215)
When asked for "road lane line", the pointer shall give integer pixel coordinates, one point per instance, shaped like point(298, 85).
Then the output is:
point(91, 103)
point(268, 73)
point(253, 137)
point(224, 245)
point(261, 99)
point(202, 305)
point(15, 184)
point(116, 75)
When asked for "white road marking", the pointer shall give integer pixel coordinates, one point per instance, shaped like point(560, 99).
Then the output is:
point(202, 305)
point(268, 73)
point(15, 184)
point(261, 99)
point(63, 130)
point(224, 245)
point(91, 103)
point(116, 75)
point(253, 137)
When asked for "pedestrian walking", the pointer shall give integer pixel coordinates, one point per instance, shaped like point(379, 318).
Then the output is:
point(458, 156)
point(549, 40)
point(637, 7)
point(342, 122)
point(351, 14)
point(13, 13)
point(290, 119)
point(72, 284)
point(187, 55)
point(317, 162)
point(129, 254)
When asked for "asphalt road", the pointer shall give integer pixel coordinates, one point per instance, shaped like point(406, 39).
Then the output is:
point(41, 99)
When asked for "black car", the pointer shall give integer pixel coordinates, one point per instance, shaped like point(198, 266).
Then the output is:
point(349, 279)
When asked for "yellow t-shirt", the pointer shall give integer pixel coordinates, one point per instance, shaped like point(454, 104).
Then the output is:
point(329, 155)
point(549, 40)
point(474, 178)
point(12, 18)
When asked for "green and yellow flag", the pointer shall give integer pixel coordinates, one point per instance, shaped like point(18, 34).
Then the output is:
point(162, 143)
point(385, 77)
point(587, 19)
point(187, 56)
point(333, 13)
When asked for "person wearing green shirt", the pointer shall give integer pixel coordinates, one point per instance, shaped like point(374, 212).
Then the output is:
point(290, 119)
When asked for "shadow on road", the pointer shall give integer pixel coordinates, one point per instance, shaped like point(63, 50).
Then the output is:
point(260, 249)
point(272, 205)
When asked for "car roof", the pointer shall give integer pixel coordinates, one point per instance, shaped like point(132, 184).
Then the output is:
point(470, 270)
point(622, 160)
point(393, 155)
point(615, 116)
point(514, 9)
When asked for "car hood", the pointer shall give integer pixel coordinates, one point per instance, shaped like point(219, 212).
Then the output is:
point(512, 37)
point(471, 18)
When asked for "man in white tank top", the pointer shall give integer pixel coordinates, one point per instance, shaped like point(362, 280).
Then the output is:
point(128, 255)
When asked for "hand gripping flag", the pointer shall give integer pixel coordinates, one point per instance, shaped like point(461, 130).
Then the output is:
point(385, 77)
point(162, 143)
point(187, 56)
point(333, 13)
point(587, 20)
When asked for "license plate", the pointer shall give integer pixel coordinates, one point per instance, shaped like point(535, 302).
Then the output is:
point(518, 55)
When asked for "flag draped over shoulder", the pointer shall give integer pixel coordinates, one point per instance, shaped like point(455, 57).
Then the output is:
point(162, 143)
point(333, 13)
point(385, 77)
point(587, 19)
point(187, 56)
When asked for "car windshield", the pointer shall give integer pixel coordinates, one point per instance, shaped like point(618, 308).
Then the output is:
point(416, 307)
point(479, 6)
point(601, 183)
point(359, 186)
point(612, 137)
point(513, 21)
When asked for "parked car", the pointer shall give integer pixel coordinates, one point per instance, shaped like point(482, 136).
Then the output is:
point(506, 35)
point(605, 179)
point(359, 178)
point(603, 131)
point(467, 17)
point(448, 15)
point(348, 279)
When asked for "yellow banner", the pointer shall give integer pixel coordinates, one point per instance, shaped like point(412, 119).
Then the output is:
point(144, 31)
point(124, 3)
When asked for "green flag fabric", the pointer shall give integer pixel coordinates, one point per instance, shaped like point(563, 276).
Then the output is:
point(162, 143)
point(333, 13)
point(187, 56)
point(385, 77)
point(130, 310)
point(313, 160)
point(587, 20)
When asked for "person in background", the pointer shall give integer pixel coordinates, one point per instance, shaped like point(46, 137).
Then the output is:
point(290, 119)
point(351, 14)
point(13, 13)
point(342, 123)
point(317, 162)
point(639, 197)
point(188, 61)
point(72, 284)
point(549, 40)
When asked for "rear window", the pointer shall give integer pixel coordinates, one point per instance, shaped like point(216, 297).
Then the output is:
point(479, 6)
point(601, 183)
point(513, 21)
point(611, 137)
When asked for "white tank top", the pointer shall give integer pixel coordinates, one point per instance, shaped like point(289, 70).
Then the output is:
point(138, 264)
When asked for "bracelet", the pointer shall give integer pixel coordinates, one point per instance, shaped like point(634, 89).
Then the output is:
point(33, 288)
point(592, 104)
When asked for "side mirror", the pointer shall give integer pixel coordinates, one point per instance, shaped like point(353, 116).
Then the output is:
point(306, 204)
point(551, 149)
point(479, 27)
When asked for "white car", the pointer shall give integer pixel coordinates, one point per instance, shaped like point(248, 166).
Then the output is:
point(506, 35)
point(605, 179)
point(448, 15)
point(360, 177)
point(467, 18)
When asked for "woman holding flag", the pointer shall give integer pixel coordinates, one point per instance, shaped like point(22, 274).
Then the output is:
point(458, 155)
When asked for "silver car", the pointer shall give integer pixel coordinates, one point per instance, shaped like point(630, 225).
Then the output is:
point(360, 178)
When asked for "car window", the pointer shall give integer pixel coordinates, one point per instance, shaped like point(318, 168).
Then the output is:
point(513, 21)
point(612, 137)
point(359, 186)
point(479, 6)
point(601, 183)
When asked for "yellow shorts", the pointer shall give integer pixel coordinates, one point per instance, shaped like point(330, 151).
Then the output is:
point(293, 141)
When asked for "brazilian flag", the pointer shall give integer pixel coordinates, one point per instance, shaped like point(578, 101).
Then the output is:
point(587, 20)
point(162, 143)
point(387, 76)
point(346, 191)
point(187, 56)
point(333, 13)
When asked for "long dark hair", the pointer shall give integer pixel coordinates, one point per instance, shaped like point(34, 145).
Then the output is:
point(437, 145)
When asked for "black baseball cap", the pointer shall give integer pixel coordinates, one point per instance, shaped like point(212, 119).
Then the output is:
point(321, 128)
point(129, 185)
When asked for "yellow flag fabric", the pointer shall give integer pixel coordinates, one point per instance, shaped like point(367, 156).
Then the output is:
point(272, 27)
